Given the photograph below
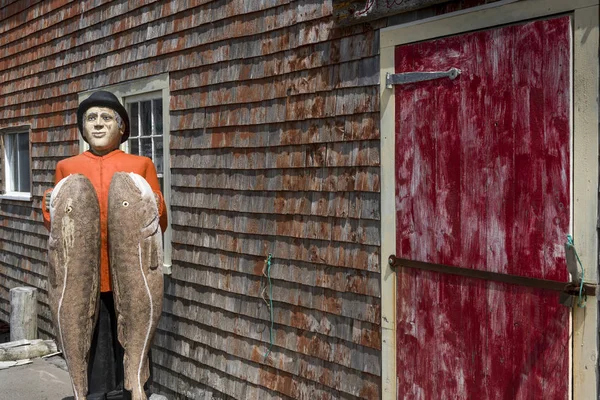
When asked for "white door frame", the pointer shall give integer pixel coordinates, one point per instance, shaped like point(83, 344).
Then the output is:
point(584, 186)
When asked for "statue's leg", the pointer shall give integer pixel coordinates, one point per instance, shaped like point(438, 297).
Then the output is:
point(105, 370)
point(74, 273)
point(135, 242)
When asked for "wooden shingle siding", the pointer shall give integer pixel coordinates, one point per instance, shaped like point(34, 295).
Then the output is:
point(274, 124)
point(196, 388)
point(227, 336)
point(299, 156)
point(17, 12)
point(324, 329)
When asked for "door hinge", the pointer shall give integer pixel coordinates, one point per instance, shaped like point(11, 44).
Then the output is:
point(412, 77)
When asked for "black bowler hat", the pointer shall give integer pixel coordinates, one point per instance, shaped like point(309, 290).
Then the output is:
point(106, 99)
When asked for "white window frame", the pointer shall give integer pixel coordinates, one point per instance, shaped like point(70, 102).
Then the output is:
point(584, 186)
point(157, 85)
point(138, 99)
point(7, 167)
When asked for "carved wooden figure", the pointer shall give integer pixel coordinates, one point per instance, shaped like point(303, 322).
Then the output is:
point(74, 273)
point(135, 243)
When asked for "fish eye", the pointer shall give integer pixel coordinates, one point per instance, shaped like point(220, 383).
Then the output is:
point(125, 203)
point(69, 209)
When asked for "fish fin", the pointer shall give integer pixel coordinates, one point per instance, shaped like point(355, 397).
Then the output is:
point(121, 327)
point(121, 331)
point(121, 335)
point(128, 381)
point(151, 228)
point(94, 304)
point(152, 252)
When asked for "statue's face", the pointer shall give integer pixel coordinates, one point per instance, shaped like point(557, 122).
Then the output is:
point(101, 130)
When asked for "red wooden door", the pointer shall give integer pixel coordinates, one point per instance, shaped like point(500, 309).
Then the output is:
point(482, 181)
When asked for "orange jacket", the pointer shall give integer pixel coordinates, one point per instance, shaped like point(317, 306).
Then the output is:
point(99, 170)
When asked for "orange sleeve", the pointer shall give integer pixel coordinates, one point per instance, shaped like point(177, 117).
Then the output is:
point(152, 179)
point(58, 175)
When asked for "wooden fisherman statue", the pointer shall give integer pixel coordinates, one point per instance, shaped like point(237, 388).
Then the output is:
point(106, 216)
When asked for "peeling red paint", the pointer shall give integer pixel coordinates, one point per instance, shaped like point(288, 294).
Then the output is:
point(482, 171)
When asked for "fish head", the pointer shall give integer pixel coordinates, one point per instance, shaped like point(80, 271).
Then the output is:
point(132, 202)
point(73, 197)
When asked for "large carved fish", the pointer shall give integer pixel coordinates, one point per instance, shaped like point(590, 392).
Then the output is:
point(74, 272)
point(135, 243)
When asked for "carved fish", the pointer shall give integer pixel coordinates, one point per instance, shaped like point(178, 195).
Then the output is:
point(74, 272)
point(135, 243)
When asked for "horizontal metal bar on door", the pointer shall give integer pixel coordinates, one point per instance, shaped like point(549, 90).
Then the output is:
point(567, 287)
point(404, 78)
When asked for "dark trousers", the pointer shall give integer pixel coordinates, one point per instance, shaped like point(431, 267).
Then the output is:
point(105, 367)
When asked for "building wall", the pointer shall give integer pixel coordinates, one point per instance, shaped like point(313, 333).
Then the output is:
point(274, 149)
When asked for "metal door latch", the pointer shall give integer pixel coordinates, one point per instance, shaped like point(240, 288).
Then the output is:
point(568, 288)
point(411, 77)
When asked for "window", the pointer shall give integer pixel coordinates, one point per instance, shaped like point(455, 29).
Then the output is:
point(147, 137)
point(16, 163)
point(147, 103)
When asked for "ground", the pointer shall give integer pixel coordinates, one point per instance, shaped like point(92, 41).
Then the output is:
point(43, 379)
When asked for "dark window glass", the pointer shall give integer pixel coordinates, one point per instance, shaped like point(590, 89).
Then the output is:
point(134, 147)
point(158, 121)
point(146, 147)
point(133, 120)
point(146, 118)
point(23, 167)
point(158, 154)
point(17, 157)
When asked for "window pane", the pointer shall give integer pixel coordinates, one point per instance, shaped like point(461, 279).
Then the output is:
point(133, 120)
point(23, 180)
point(134, 147)
point(146, 120)
point(146, 150)
point(18, 175)
point(11, 160)
point(158, 121)
point(158, 154)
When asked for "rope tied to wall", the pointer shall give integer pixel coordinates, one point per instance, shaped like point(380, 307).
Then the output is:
point(581, 298)
point(270, 302)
